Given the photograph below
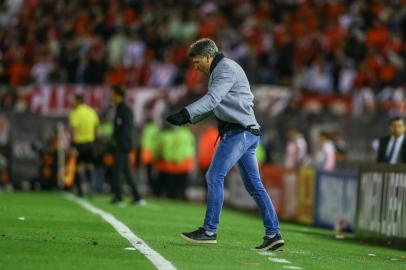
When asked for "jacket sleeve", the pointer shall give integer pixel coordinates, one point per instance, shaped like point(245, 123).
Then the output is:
point(222, 82)
point(200, 117)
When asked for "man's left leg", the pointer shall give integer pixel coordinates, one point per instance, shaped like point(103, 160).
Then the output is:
point(228, 152)
point(129, 179)
point(248, 168)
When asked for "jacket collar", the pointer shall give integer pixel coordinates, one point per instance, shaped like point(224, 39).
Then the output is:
point(219, 56)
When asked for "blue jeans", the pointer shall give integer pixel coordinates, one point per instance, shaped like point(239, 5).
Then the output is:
point(239, 147)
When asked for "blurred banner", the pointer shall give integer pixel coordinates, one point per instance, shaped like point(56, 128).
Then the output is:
point(272, 178)
point(381, 211)
point(336, 199)
point(307, 177)
point(290, 195)
point(58, 99)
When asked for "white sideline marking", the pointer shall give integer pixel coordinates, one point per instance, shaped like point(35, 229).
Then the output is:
point(292, 267)
point(278, 260)
point(160, 262)
point(266, 253)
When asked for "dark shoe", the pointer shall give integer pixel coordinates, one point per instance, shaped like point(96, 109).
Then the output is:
point(199, 237)
point(271, 243)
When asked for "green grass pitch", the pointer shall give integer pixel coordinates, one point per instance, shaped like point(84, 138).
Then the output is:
point(47, 231)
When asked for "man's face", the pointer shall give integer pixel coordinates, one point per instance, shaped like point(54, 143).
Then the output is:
point(202, 63)
point(397, 128)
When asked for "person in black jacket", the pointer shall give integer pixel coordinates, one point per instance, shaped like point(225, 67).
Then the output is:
point(122, 143)
point(392, 149)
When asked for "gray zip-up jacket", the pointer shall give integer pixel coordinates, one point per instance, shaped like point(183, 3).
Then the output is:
point(229, 96)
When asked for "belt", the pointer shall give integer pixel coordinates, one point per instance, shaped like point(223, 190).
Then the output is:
point(224, 127)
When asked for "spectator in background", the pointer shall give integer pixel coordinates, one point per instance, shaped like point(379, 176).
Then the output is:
point(296, 149)
point(133, 52)
point(271, 41)
point(174, 155)
point(8, 100)
point(19, 72)
point(320, 79)
point(115, 47)
point(96, 67)
point(149, 139)
point(392, 148)
point(83, 121)
point(123, 136)
point(346, 78)
point(69, 60)
point(163, 72)
point(325, 156)
point(42, 69)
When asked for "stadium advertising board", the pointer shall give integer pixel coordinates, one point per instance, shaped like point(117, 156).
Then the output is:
point(281, 185)
point(290, 195)
point(307, 177)
point(272, 178)
point(381, 209)
point(336, 199)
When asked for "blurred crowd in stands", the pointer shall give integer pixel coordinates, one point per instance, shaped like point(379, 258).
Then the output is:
point(321, 46)
point(350, 48)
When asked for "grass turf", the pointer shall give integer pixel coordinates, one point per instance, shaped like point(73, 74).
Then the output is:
point(59, 234)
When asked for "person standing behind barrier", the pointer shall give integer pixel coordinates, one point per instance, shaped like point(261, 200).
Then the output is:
point(148, 140)
point(230, 98)
point(325, 156)
point(184, 161)
point(296, 149)
point(162, 156)
point(83, 122)
point(392, 148)
point(174, 155)
point(122, 142)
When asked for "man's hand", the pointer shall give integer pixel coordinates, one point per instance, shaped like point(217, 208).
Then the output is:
point(179, 118)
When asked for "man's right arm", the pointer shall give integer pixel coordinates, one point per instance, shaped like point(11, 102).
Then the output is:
point(220, 85)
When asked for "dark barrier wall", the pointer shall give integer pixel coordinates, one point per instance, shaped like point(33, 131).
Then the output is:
point(29, 134)
point(382, 202)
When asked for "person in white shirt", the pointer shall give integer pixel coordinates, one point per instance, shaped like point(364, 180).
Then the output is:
point(296, 149)
point(325, 156)
point(392, 148)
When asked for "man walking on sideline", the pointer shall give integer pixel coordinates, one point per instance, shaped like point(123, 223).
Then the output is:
point(229, 97)
point(122, 144)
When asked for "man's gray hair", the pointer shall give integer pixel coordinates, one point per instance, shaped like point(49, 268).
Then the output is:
point(203, 47)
